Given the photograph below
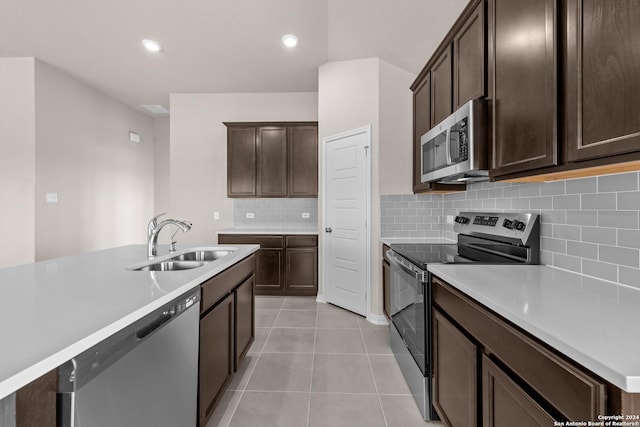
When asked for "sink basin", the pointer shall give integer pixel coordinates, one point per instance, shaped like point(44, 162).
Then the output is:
point(202, 255)
point(172, 265)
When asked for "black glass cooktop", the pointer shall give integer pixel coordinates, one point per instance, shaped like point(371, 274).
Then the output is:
point(430, 253)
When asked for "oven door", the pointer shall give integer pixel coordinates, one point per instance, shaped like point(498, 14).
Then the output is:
point(410, 307)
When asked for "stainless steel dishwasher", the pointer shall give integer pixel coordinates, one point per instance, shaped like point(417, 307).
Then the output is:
point(144, 375)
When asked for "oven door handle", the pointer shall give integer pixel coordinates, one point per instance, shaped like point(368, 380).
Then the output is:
point(406, 266)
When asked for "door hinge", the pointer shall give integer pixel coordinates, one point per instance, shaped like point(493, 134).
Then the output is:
point(366, 150)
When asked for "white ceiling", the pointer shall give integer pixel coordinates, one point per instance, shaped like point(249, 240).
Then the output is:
point(218, 45)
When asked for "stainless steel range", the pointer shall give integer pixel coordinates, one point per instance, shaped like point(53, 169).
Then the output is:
point(483, 238)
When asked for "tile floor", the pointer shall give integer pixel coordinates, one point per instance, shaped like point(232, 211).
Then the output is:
point(316, 365)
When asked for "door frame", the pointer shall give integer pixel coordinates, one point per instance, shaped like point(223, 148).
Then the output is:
point(323, 198)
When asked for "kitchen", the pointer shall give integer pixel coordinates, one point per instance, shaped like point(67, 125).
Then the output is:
point(581, 228)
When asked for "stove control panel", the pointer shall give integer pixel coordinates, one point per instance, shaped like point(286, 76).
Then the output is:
point(511, 226)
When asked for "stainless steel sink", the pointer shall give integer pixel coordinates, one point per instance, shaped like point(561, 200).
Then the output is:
point(202, 255)
point(172, 265)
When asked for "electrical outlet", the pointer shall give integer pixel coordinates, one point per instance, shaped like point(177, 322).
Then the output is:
point(216, 215)
point(305, 215)
point(449, 219)
point(249, 215)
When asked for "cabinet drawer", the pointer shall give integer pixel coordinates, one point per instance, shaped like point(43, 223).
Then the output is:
point(301, 241)
point(264, 241)
point(217, 287)
point(577, 394)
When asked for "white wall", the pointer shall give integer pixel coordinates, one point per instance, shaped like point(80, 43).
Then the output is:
point(358, 93)
point(161, 166)
point(17, 162)
point(198, 152)
point(104, 182)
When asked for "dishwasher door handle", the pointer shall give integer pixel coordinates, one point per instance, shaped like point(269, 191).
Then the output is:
point(157, 323)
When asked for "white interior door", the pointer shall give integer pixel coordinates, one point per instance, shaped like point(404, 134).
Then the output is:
point(346, 213)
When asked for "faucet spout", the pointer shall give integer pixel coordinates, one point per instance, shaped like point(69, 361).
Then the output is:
point(154, 231)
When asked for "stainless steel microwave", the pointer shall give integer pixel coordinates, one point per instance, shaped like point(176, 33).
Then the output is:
point(455, 149)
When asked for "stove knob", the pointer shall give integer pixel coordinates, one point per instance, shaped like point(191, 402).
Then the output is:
point(462, 219)
point(519, 225)
point(508, 224)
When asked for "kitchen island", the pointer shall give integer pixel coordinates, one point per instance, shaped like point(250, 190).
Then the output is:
point(54, 310)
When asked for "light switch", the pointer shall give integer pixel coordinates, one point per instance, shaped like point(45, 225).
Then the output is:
point(52, 197)
point(216, 215)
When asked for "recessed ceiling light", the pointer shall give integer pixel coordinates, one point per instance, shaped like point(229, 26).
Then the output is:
point(152, 45)
point(289, 40)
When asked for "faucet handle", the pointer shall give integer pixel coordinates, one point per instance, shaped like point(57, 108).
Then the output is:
point(153, 223)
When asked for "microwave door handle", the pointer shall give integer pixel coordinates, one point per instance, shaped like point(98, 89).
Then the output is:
point(448, 146)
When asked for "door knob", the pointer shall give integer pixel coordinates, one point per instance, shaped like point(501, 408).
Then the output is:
point(328, 230)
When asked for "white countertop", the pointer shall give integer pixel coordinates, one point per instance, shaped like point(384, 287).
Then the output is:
point(414, 240)
point(269, 230)
point(53, 310)
point(594, 322)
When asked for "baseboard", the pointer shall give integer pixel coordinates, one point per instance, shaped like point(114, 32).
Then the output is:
point(377, 319)
point(320, 298)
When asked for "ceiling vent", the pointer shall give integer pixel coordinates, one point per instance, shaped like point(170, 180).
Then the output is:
point(156, 109)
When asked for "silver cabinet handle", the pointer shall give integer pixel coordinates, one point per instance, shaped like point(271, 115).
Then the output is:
point(328, 230)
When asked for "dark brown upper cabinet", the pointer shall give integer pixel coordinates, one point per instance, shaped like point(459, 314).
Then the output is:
point(523, 90)
point(241, 161)
point(272, 162)
point(470, 58)
point(602, 78)
point(303, 161)
point(454, 74)
point(272, 159)
point(441, 89)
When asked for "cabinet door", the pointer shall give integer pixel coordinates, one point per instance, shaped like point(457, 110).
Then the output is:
point(441, 88)
point(421, 124)
point(244, 319)
point(301, 271)
point(522, 52)
point(36, 402)
point(602, 80)
point(469, 62)
point(455, 374)
point(303, 161)
point(504, 403)
point(216, 356)
point(241, 162)
point(272, 162)
point(269, 279)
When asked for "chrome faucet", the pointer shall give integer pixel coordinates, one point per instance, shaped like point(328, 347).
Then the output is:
point(153, 229)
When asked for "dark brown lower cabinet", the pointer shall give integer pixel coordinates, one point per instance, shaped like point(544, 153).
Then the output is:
point(523, 382)
point(216, 356)
point(36, 402)
point(507, 404)
point(285, 264)
point(244, 319)
point(227, 330)
point(455, 378)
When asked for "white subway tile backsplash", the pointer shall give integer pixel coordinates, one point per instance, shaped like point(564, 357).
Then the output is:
point(629, 238)
point(582, 185)
point(629, 200)
point(599, 269)
point(588, 225)
point(618, 219)
point(599, 201)
point(277, 212)
point(598, 235)
point(618, 182)
point(622, 256)
point(629, 276)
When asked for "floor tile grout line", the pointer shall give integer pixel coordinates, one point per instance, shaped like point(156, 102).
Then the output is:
point(375, 383)
point(313, 364)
